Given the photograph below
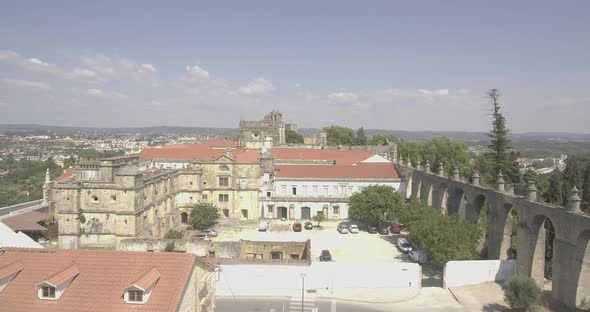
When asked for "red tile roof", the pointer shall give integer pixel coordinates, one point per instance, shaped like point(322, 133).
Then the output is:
point(68, 173)
point(101, 282)
point(181, 152)
point(27, 221)
point(360, 171)
point(219, 143)
point(147, 280)
point(61, 277)
point(10, 269)
point(342, 157)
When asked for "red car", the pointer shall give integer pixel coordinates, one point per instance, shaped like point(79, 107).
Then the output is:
point(297, 227)
point(395, 228)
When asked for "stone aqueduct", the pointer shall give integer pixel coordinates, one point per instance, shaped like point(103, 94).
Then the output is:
point(571, 254)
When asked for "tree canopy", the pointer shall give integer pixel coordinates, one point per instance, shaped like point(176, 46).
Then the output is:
point(293, 137)
point(571, 178)
point(585, 205)
point(203, 216)
point(361, 137)
point(452, 154)
point(382, 139)
point(375, 203)
point(553, 195)
point(337, 135)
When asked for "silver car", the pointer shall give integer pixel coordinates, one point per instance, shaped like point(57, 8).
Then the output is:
point(342, 229)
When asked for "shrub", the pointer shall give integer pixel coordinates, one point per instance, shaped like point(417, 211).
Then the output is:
point(172, 234)
point(203, 216)
point(169, 247)
point(522, 293)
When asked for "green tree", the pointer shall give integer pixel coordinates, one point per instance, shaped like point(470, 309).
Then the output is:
point(522, 293)
point(293, 137)
point(319, 218)
point(172, 234)
point(553, 195)
point(501, 156)
point(361, 137)
point(382, 139)
point(444, 237)
point(585, 205)
point(375, 203)
point(337, 135)
point(410, 149)
point(571, 178)
point(452, 154)
point(169, 247)
point(203, 216)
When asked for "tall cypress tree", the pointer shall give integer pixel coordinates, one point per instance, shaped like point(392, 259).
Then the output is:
point(361, 137)
point(586, 190)
point(501, 156)
point(571, 177)
point(553, 195)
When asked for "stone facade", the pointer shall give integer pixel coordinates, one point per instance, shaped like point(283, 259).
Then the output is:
point(266, 132)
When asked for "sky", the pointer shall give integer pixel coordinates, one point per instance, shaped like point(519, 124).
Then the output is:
point(403, 65)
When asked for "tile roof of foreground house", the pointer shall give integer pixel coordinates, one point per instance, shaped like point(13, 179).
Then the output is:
point(341, 157)
point(99, 279)
point(359, 171)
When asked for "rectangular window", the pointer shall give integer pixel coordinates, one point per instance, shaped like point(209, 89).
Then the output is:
point(268, 194)
point(223, 198)
point(269, 209)
point(336, 210)
point(350, 190)
point(48, 292)
point(342, 189)
point(135, 296)
point(204, 196)
point(284, 189)
point(223, 182)
point(325, 190)
point(294, 189)
point(315, 190)
point(335, 188)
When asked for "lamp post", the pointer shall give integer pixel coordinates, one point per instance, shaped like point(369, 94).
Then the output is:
point(302, 291)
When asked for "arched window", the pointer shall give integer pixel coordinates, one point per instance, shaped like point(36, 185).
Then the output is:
point(224, 168)
point(184, 218)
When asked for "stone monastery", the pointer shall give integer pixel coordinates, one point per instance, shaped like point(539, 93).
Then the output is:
point(99, 203)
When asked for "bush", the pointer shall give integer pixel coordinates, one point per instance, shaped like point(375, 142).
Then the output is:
point(203, 216)
point(172, 234)
point(522, 293)
point(169, 247)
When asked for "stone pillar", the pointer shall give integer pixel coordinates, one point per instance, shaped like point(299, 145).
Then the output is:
point(500, 182)
point(427, 166)
point(531, 191)
point(409, 162)
point(418, 165)
point(456, 176)
point(475, 178)
point(441, 169)
point(573, 202)
point(566, 266)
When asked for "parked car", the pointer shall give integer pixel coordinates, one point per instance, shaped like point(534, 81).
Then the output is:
point(372, 229)
point(297, 227)
point(404, 245)
point(308, 225)
point(353, 228)
point(383, 229)
point(211, 232)
point(395, 228)
point(419, 256)
point(325, 256)
point(342, 228)
point(263, 226)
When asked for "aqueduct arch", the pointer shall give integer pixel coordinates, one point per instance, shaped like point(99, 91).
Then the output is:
point(571, 255)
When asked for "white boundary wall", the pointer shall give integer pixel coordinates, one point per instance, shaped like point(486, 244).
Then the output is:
point(461, 273)
point(286, 280)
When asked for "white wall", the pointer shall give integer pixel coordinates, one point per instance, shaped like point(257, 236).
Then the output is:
point(335, 188)
point(461, 273)
point(285, 280)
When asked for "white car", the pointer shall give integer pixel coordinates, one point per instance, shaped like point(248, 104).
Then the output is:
point(404, 245)
point(353, 228)
point(263, 226)
point(211, 232)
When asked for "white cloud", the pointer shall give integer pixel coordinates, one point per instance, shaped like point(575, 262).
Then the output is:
point(147, 67)
point(257, 87)
point(441, 92)
point(7, 54)
point(107, 95)
point(343, 97)
point(25, 84)
point(198, 72)
point(37, 61)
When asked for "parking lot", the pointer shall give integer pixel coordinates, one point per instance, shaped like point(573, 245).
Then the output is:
point(360, 247)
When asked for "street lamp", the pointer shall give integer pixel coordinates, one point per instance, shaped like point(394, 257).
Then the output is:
point(302, 290)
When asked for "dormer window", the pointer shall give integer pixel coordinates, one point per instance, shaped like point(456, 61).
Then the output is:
point(135, 295)
point(48, 292)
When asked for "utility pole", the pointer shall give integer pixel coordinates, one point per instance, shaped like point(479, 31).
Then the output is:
point(302, 291)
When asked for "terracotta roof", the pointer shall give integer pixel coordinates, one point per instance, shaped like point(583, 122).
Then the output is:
point(10, 269)
point(342, 157)
point(360, 171)
point(246, 156)
point(68, 173)
point(100, 284)
point(27, 221)
point(181, 152)
point(219, 143)
point(61, 277)
point(146, 280)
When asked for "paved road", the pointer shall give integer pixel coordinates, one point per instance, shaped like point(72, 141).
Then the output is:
point(33, 205)
point(243, 304)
